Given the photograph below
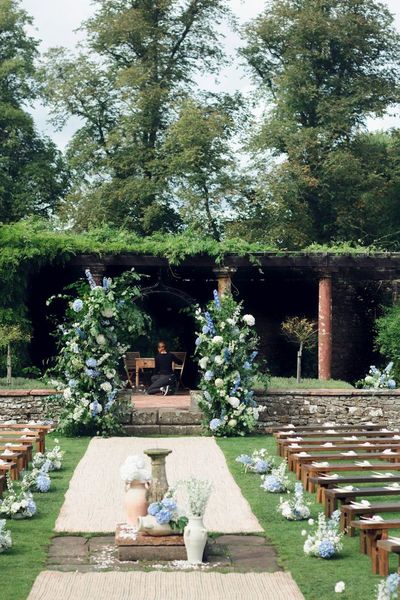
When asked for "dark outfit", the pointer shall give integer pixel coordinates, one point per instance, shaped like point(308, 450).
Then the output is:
point(163, 371)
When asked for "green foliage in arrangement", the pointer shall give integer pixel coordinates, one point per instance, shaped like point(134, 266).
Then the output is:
point(388, 337)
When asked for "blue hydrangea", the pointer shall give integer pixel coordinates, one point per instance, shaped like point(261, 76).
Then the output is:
point(326, 549)
point(72, 383)
point(77, 305)
point(81, 333)
point(31, 507)
point(92, 373)
point(169, 504)
point(43, 482)
point(95, 408)
point(393, 582)
point(91, 362)
point(391, 384)
point(206, 329)
point(163, 516)
point(272, 484)
point(215, 424)
point(198, 341)
point(247, 366)
point(261, 466)
point(244, 459)
point(154, 509)
point(208, 375)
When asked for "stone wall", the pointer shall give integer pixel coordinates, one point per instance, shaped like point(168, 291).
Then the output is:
point(307, 407)
point(24, 405)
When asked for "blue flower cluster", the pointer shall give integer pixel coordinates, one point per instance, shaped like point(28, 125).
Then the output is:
point(163, 511)
point(215, 424)
point(43, 482)
point(91, 362)
point(217, 300)
point(273, 484)
point(209, 328)
point(77, 305)
point(90, 278)
point(244, 459)
point(326, 549)
point(393, 583)
point(208, 375)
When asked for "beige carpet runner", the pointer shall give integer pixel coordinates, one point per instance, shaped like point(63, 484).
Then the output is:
point(94, 500)
point(164, 586)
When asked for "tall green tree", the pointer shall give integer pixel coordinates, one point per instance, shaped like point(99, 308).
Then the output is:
point(32, 175)
point(138, 63)
point(324, 66)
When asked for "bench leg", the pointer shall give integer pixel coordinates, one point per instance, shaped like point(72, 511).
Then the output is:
point(363, 542)
point(383, 562)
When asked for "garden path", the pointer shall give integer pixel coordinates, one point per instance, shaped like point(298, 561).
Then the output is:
point(164, 586)
point(94, 501)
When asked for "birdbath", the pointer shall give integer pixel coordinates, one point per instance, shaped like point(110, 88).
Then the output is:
point(159, 484)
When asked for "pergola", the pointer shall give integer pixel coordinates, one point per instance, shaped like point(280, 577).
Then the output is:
point(322, 267)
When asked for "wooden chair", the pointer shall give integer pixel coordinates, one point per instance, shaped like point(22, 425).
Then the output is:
point(130, 366)
point(179, 368)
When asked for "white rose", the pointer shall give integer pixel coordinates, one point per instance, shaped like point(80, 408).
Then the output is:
point(217, 339)
point(100, 339)
point(218, 360)
point(203, 362)
point(340, 587)
point(249, 320)
point(106, 386)
point(234, 402)
point(219, 382)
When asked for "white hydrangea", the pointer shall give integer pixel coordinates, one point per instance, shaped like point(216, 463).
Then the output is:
point(249, 320)
point(203, 362)
point(218, 360)
point(217, 339)
point(106, 386)
point(234, 402)
point(100, 339)
point(219, 382)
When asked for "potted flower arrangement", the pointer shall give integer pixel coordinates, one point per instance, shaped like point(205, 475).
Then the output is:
point(18, 503)
point(277, 481)
point(137, 478)
point(195, 534)
point(5, 537)
point(377, 379)
point(295, 508)
point(163, 518)
point(326, 540)
point(259, 461)
point(388, 589)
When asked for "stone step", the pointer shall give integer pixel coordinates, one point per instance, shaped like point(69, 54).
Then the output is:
point(163, 421)
point(174, 430)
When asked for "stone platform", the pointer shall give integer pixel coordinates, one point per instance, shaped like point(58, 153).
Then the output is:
point(134, 546)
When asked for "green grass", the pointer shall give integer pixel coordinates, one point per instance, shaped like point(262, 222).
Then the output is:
point(24, 383)
point(20, 566)
point(315, 577)
point(289, 383)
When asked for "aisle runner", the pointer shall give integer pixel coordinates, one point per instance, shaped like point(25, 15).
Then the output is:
point(164, 586)
point(94, 501)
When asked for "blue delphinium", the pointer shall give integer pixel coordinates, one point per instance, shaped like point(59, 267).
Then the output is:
point(207, 396)
point(217, 299)
point(90, 278)
point(154, 508)
point(247, 365)
point(227, 354)
point(326, 549)
point(77, 305)
point(106, 283)
point(210, 322)
point(43, 482)
point(253, 355)
point(163, 516)
point(215, 424)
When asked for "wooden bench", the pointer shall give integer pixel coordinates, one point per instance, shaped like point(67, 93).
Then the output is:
point(296, 461)
point(319, 439)
point(348, 513)
point(14, 457)
point(2, 484)
point(276, 431)
point(341, 447)
point(11, 468)
point(383, 548)
point(325, 483)
point(18, 449)
point(35, 436)
point(338, 497)
point(13, 439)
point(370, 533)
point(308, 471)
point(16, 444)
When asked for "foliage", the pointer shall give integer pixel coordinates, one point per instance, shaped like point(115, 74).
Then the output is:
point(32, 174)
point(90, 351)
point(326, 67)
point(377, 379)
point(226, 345)
point(387, 338)
point(138, 62)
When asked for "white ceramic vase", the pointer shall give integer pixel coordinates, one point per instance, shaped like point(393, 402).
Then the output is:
point(195, 538)
point(135, 502)
point(150, 525)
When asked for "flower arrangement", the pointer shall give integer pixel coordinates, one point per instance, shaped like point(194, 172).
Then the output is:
point(388, 589)
point(18, 503)
point(226, 346)
point(91, 348)
point(134, 469)
point(5, 537)
point(377, 379)
point(326, 540)
point(37, 480)
point(167, 512)
point(295, 508)
point(51, 460)
point(277, 481)
point(259, 462)
point(198, 492)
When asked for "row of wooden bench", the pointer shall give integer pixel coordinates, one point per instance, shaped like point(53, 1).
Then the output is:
point(17, 444)
point(310, 452)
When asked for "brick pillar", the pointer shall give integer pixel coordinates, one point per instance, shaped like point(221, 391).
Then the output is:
point(224, 278)
point(325, 328)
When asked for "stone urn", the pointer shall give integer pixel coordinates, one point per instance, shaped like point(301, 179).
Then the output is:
point(195, 538)
point(136, 504)
point(150, 526)
point(159, 484)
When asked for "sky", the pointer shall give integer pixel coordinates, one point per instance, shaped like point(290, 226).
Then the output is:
point(56, 23)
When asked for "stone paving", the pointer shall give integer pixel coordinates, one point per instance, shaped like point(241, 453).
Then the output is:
point(226, 553)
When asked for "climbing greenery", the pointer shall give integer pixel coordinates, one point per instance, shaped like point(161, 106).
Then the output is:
point(388, 337)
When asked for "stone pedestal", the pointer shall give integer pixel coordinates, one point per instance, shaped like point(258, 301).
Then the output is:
point(159, 484)
point(138, 546)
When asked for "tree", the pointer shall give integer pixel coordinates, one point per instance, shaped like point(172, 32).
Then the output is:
point(139, 62)
point(325, 65)
point(302, 332)
point(9, 335)
point(32, 175)
point(201, 163)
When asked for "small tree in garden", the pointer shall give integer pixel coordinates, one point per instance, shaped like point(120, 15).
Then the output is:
point(9, 335)
point(302, 332)
point(387, 339)
point(91, 350)
point(226, 346)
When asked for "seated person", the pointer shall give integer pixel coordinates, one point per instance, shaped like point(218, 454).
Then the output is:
point(163, 377)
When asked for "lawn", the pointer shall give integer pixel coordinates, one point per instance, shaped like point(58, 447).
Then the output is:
point(24, 383)
point(315, 577)
point(20, 566)
point(289, 383)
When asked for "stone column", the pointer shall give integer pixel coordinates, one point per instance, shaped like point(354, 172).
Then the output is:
point(224, 278)
point(325, 327)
